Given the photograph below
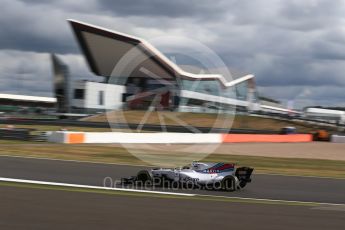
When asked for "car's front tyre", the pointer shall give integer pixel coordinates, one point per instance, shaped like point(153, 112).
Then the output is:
point(144, 178)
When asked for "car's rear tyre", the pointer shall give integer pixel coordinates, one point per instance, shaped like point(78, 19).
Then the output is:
point(229, 183)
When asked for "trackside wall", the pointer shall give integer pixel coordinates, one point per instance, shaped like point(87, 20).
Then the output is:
point(338, 139)
point(172, 138)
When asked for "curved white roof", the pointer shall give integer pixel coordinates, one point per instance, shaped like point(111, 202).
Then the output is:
point(103, 48)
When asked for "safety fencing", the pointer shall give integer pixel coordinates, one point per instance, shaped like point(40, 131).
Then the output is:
point(172, 138)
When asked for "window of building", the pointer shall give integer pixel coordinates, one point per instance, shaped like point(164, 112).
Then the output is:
point(229, 92)
point(242, 91)
point(79, 93)
point(100, 97)
point(211, 87)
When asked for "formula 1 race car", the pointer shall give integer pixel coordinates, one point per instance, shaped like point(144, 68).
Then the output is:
point(222, 176)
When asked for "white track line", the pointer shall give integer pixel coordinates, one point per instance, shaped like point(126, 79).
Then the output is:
point(273, 200)
point(158, 192)
point(4, 179)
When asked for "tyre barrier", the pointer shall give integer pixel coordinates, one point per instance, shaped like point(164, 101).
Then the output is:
point(15, 134)
point(171, 138)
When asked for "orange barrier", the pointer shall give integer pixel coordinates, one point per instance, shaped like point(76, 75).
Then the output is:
point(238, 138)
point(75, 138)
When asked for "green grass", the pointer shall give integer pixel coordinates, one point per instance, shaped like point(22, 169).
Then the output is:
point(41, 128)
point(14, 142)
point(202, 120)
point(44, 128)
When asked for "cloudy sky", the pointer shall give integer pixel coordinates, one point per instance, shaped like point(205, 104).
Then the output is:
point(295, 48)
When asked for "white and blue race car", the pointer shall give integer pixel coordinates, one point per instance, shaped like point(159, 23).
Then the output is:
point(224, 176)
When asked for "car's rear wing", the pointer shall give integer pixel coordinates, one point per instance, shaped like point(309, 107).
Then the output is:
point(244, 174)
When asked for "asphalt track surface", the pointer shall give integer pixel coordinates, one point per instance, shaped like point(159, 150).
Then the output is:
point(27, 208)
point(290, 188)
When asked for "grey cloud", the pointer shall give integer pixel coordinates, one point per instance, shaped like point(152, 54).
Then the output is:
point(297, 72)
point(286, 44)
point(25, 73)
point(75, 5)
point(303, 96)
point(328, 50)
point(34, 28)
point(157, 8)
point(30, 73)
point(304, 15)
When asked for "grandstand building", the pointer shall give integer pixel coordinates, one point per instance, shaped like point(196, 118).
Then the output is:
point(152, 81)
